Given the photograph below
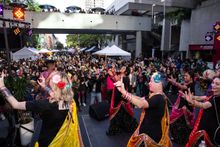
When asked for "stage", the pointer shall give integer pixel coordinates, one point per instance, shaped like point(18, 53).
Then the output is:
point(94, 132)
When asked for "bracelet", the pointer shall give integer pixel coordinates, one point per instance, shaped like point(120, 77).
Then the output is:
point(128, 97)
point(126, 94)
point(5, 92)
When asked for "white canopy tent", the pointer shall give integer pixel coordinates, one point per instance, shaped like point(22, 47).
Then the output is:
point(82, 49)
point(55, 50)
point(24, 53)
point(34, 50)
point(71, 50)
point(112, 51)
point(44, 50)
point(92, 48)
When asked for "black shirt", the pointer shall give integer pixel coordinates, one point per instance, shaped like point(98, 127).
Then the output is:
point(51, 116)
point(151, 124)
point(209, 122)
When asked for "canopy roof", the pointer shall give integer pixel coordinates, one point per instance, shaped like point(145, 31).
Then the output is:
point(112, 51)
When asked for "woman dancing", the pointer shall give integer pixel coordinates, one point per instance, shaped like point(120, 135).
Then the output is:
point(153, 129)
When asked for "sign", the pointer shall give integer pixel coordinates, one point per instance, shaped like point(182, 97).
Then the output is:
point(200, 47)
point(216, 27)
point(208, 38)
point(16, 31)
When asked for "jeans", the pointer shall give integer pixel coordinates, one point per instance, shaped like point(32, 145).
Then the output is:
point(94, 95)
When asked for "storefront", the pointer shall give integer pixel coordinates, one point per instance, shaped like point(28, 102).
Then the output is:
point(208, 52)
point(202, 51)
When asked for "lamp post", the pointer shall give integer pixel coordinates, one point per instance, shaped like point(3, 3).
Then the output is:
point(7, 46)
point(153, 13)
point(164, 23)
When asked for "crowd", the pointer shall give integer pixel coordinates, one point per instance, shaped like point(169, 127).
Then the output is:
point(146, 83)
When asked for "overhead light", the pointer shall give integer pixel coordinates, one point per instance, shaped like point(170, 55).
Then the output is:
point(18, 13)
point(1, 9)
point(153, 5)
point(17, 31)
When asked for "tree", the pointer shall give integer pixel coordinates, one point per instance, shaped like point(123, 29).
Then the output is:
point(5, 2)
point(179, 15)
point(87, 40)
point(59, 45)
point(33, 6)
point(35, 41)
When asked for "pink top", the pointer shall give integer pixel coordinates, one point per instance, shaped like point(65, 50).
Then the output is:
point(110, 84)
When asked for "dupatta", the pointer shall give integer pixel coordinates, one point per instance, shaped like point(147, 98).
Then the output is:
point(197, 134)
point(114, 110)
point(178, 112)
point(136, 139)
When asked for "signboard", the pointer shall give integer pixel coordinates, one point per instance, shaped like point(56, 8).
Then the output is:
point(200, 47)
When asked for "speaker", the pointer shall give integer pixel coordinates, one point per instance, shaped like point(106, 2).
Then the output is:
point(99, 111)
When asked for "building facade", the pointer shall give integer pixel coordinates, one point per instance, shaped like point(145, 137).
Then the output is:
point(93, 3)
point(193, 31)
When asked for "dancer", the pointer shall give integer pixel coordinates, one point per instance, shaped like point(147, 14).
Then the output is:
point(153, 129)
point(58, 111)
point(182, 115)
point(121, 113)
point(207, 125)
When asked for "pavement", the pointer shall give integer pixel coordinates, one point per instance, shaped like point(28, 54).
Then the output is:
point(93, 131)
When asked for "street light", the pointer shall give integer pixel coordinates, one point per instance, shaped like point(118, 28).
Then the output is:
point(164, 23)
point(164, 7)
point(153, 13)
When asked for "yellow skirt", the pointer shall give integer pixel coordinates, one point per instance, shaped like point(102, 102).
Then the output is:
point(69, 134)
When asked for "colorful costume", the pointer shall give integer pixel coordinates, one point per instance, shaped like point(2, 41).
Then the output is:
point(138, 138)
point(182, 119)
point(207, 125)
point(69, 134)
point(121, 115)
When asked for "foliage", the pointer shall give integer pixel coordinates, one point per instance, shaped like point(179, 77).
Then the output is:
point(18, 87)
point(179, 15)
point(5, 2)
point(59, 45)
point(86, 40)
point(33, 6)
point(35, 41)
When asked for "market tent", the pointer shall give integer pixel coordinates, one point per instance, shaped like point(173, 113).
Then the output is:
point(71, 50)
point(24, 53)
point(44, 50)
point(92, 49)
point(83, 49)
point(112, 51)
point(55, 50)
point(34, 50)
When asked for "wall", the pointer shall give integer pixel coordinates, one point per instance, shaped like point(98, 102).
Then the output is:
point(117, 4)
point(184, 35)
point(202, 20)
